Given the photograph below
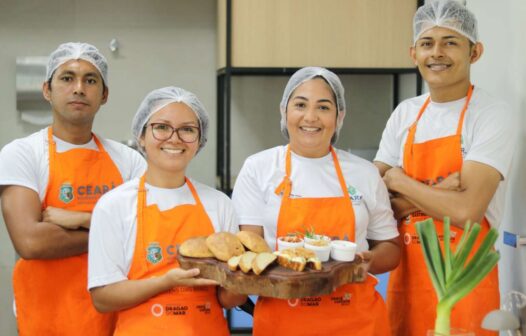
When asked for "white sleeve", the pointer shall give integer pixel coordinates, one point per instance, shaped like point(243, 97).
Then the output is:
point(228, 217)
point(248, 197)
point(130, 162)
point(19, 166)
point(390, 144)
point(494, 138)
point(138, 165)
point(107, 256)
point(382, 224)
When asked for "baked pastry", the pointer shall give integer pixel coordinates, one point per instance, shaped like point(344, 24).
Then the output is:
point(253, 241)
point(224, 245)
point(195, 248)
point(296, 258)
point(262, 261)
point(246, 261)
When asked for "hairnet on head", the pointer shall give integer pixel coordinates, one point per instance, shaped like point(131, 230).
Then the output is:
point(157, 99)
point(77, 51)
point(449, 14)
point(300, 77)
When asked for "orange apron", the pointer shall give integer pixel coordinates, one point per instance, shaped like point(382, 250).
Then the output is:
point(51, 295)
point(181, 310)
point(411, 298)
point(354, 309)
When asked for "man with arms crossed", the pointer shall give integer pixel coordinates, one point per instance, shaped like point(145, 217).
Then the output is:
point(49, 184)
point(446, 153)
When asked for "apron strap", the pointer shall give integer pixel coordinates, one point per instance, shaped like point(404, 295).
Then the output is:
point(408, 147)
point(285, 187)
point(464, 109)
point(52, 162)
point(339, 174)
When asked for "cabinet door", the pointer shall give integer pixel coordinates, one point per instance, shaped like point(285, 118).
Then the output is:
point(330, 33)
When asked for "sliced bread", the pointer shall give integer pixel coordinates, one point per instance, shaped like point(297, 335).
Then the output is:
point(246, 261)
point(262, 261)
point(233, 263)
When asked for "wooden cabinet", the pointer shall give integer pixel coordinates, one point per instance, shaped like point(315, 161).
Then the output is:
point(329, 33)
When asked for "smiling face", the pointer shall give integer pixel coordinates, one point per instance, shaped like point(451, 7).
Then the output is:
point(311, 118)
point(76, 92)
point(171, 156)
point(444, 57)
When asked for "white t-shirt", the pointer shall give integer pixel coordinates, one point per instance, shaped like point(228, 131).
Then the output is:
point(25, 162)
point(488, 135)
point(256, 202)
point(114, 225)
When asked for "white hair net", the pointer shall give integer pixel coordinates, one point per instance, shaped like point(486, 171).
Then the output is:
point(300, 77)
point(449, 14)
point(157, 99)
point(77, 51)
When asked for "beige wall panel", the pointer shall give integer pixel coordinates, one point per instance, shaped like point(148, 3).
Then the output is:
point(221, 34)
point(332, 33)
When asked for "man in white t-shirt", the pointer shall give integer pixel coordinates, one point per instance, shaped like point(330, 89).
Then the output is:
point(446, 153)
point(49, 184)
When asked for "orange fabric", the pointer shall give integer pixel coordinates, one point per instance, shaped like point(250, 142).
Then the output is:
point(51, 296)
point(354, 309)
point(411, 298)
point(182, 310)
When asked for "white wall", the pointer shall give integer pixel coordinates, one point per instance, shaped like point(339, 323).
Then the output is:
point(502, 71)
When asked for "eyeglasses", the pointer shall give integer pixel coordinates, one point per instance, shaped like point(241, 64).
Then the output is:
point(164, 132)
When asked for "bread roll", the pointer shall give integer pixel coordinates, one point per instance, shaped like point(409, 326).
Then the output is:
point(262, 261)
point(195, 248)
point(224, 245)
point(253, 241)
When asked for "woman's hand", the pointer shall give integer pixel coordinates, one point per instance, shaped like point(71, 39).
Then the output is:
point(180, 277)
point(367, 258)
point(129, 293)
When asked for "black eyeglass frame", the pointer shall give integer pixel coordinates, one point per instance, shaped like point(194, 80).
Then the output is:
point(174, 130)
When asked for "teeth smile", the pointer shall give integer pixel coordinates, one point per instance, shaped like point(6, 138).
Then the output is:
point(438, 67)
point(172, 150)
point(310, 129)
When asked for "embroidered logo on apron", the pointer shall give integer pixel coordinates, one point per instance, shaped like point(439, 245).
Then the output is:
point(66, 192)
point(154, 253)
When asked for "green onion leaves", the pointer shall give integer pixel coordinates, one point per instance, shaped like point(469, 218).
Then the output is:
point(452, 274)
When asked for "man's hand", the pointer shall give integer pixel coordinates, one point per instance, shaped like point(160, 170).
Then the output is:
point(452, 182)
point(71, 220)
point(394, 176)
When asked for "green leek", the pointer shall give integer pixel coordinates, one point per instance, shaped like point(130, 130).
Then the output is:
point(452, 274)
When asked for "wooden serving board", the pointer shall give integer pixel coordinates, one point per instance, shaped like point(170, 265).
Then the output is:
point(277, 281)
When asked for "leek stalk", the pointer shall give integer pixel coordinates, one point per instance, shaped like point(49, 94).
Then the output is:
point(452, 274)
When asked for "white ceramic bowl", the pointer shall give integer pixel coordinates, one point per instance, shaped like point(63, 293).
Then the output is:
point(343, 250)
point(287, 242)
point(316, 238)
point(321, 247)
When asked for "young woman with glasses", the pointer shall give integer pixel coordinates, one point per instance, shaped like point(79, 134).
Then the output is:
point(135, 229)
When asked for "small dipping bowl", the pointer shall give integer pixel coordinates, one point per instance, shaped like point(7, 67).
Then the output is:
point(286, 242)
point(321, 247)
point(343, 250)
point(317, 238)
